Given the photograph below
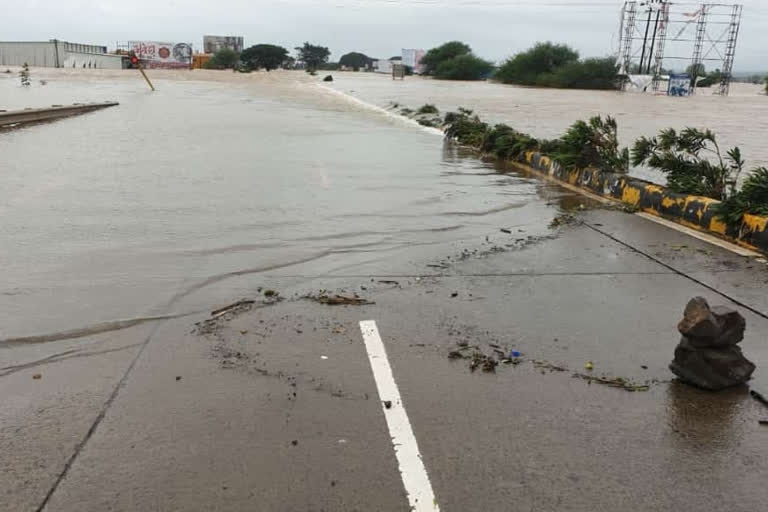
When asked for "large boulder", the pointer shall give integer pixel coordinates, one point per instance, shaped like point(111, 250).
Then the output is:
point(711, 368)
point(707, 355)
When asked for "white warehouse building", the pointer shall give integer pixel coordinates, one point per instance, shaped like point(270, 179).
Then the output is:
point(58, 54)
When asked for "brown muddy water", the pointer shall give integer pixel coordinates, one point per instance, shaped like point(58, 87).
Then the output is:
point(740, 119)
point(192, 195)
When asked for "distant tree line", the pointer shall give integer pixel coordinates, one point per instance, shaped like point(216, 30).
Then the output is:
point(269, 57)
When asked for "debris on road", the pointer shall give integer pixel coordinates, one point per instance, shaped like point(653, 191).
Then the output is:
point(226, 309)
point(455, 294)
point(708, 356)
point(389, 281)
point(178, 378)
point(484, 362)
point(507, 231)
point(549, 366)
point(589, 365)
point(387, 404)
point(563, 219)
point(37, 376)
point(614, 382)
point(270, 293)
point(339, 300)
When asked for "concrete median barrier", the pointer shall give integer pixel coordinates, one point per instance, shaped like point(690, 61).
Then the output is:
point(692, 211)
point(12, 118)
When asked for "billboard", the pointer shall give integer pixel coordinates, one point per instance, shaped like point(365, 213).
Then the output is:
point(163, 55)
point(212, 44)
point(679, 85)
point(412, 58)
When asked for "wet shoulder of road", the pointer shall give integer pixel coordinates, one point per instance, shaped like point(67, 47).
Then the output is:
point(276, 407)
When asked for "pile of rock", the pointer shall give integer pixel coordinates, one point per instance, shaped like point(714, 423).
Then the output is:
point(707, 355)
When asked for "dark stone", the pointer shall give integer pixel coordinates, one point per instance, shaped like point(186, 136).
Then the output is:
point(732, 326)
point(328, 78)
point(711, 368)
point(698, 320)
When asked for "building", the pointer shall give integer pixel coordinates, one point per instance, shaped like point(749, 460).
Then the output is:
point(212, 44)
point(58, 54)
point(382, 66)
point(412, 59)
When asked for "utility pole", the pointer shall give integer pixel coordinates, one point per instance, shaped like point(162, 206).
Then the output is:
point(645, 38)
point(653, 40)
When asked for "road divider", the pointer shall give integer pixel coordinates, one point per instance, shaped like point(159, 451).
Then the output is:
point(13, 118)
point(696, 212)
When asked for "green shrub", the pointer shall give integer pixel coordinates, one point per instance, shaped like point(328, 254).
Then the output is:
point(590, 145)
point(223, 59)
point(466, 128)
point(681, 156)
point(454, 61)
point(594, 73)
point(752, 198)
point(554, 65)
point(526, 67)
point(434, 57)
point(463, 67)
point(428, 108)
point(507, 143)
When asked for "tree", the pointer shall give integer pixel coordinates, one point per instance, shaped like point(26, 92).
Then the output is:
point(355, 60)
point(313, 56)
point(528, 67)
point(455, 61)
point(681, 156)
point(225, 58)
point(696, 70)
point(267, 56)
point(593, 73)
point(463, 67)
point(447, 51)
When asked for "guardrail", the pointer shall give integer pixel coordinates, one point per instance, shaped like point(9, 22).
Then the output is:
point(11, 118)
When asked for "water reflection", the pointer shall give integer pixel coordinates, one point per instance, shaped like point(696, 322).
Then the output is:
point(703, 420)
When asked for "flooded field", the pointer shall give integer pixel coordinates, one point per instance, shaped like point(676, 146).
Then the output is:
point(149, 208)
point(738, 120)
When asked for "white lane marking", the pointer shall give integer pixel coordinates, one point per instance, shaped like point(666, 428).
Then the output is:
point(415, 479)
point(741, 251)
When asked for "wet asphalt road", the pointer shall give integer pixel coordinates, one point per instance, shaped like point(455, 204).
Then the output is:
point(276, 408)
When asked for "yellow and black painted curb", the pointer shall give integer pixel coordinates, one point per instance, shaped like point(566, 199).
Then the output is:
point(692, 211)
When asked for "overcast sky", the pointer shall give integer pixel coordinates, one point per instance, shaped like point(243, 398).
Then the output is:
point(380, 28)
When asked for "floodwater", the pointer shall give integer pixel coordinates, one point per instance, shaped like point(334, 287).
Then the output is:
point(740, 119)
point(154, 207)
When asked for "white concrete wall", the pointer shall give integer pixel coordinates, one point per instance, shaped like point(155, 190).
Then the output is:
point(36, 54)
point(92, 60)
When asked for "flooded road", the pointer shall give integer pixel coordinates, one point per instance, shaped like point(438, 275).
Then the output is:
point(150, 208)
point(221, 186)
point(740, 119)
